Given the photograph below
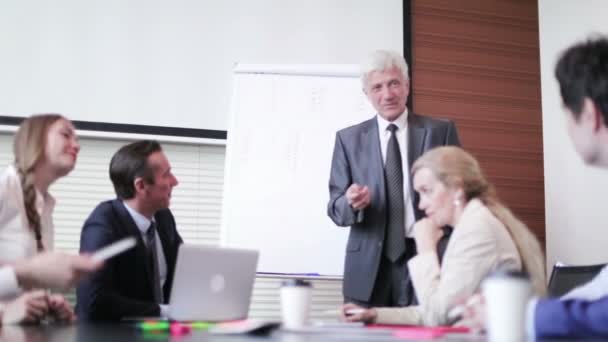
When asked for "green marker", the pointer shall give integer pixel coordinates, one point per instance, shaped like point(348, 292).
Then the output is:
point(154, 325)
point(201, 325)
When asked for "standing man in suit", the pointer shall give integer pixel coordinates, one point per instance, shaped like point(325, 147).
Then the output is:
point(137, 282)
point(370, 187)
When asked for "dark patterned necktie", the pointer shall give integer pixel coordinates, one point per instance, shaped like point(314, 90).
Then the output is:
point(393, 174)
point(151, 243)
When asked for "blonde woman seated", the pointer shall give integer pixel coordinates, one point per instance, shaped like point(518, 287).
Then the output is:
point(45, 149)
point(487, 237)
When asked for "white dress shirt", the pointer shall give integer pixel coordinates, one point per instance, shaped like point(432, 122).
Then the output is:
point(17, 240)
point(143, 224)
point(401, 135)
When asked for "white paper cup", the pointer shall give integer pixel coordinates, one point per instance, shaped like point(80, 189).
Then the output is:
point(295, 303)
point(506, 295)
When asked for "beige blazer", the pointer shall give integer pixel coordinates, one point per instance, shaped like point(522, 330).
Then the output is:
point(479, 245)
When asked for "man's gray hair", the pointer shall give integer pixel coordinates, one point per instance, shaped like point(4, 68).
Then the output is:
point(381, 60)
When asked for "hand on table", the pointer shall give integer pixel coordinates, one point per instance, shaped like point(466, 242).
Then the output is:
point(30, 307)
point(365, 315)
point(60, 309)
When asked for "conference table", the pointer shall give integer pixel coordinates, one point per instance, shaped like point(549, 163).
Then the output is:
point(129, 332)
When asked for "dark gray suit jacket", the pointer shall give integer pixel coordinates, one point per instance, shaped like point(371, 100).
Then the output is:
point(357, 159)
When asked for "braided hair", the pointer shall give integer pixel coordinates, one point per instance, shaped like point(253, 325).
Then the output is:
point(28, 148)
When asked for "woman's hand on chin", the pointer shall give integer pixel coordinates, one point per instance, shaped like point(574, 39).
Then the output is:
point(427, 233)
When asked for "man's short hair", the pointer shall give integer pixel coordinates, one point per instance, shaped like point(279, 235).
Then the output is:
point(582, 71)
point(130, 162)
point(381, 60)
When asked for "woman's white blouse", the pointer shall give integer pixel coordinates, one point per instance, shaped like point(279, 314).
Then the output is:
point(17, 240)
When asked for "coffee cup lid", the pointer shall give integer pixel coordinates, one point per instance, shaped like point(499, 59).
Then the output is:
point(296, 282)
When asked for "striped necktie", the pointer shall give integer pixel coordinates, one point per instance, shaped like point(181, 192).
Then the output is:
point(393, 174)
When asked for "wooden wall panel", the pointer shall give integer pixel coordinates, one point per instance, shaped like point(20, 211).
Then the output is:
point(477, 62)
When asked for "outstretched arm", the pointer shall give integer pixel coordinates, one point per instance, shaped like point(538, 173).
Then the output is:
point(570, 318)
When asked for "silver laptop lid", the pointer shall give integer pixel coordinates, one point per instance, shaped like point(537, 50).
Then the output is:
point(212, 283)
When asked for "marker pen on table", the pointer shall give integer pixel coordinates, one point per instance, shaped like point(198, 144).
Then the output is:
point(154, 325)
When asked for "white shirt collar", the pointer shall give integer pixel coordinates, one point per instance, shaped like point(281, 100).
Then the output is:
point(400, 122)
point(142, 222)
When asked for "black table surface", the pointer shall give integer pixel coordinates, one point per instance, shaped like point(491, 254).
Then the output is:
point(129, 332)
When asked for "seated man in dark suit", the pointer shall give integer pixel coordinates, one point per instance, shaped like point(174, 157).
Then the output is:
point(137, 282)
point(582, 73)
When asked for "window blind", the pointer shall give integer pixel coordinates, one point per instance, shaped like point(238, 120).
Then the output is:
point(195, 203)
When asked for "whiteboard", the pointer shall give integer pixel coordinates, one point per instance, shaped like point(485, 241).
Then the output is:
point(278, 158)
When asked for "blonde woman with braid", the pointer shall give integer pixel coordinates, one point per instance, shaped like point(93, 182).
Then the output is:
point(487, 237)
point(45, 149)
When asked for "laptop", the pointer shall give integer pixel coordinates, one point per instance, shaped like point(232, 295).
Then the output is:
point(212, 283)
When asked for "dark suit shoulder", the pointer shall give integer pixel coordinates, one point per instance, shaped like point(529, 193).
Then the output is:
point(428, 121)
point(358, 128)
point(104, 208)
point(110, 215)
point(103, 212)
point(100, 228)
point(443, 131)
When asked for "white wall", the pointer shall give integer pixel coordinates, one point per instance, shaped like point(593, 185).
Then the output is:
point(575, 194)
point(169, 62)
